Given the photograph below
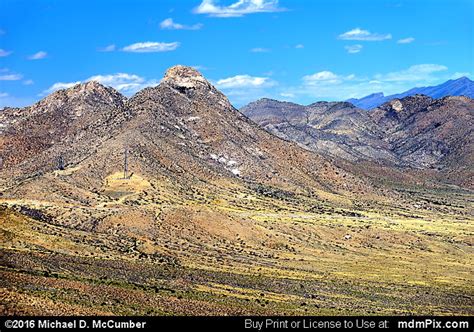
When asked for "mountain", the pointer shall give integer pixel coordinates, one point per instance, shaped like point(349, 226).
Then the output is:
point(337, 129)
point(182, 137)
point(431, 133)
point(368, 102)
point(459, 87)
point(67, 124)
point(172, 202)
point(417, 131)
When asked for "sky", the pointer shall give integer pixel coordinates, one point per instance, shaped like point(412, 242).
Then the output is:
point(294, 50)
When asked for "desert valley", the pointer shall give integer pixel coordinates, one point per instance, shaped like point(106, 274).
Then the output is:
point(173, 202)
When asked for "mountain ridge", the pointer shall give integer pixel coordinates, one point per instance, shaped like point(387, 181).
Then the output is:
point(174, 202)
point(462, 86)
point(414, 132)
point(183, 118)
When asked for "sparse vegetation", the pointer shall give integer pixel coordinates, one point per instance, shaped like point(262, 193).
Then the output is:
point(290, 232)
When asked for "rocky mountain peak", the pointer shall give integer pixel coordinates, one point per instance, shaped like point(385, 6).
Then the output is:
point(92, 86)
point(408, 105)
point(96, 90)
point(180, 85)
point(185, 77)
point(91, 92)
point(463, 79)
point(268, 102)
point(462, 86)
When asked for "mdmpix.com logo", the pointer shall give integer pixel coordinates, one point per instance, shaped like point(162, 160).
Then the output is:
point(430, 323)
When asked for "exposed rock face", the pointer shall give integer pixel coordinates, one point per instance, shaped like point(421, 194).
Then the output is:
point(185, 77)
point(189, 81)
point(416, 131)
point(72, 122)
point(397, 111)
point(431, 133)
point(183, 132)
point(338, 129)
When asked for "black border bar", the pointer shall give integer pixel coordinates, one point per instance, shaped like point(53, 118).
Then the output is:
point(244, 323)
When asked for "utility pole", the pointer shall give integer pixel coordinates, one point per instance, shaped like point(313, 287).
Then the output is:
point(60, 163)
point(125, 164)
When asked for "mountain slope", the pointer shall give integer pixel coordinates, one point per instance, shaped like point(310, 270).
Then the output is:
point(462, 86)
point(63, 128)
point(336, 129)
point(431, 133)
point(214, 216)
point(182, 132)
point(415, 131)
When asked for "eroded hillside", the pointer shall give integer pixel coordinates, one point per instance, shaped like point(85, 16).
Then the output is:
point(213, 216)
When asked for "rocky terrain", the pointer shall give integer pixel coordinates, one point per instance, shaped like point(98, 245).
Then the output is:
point(411, 133)
point(429, 132)
point(338, 129)
point(215, 215)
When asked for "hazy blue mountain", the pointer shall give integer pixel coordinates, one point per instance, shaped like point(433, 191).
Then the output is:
point(459, 87)
point(370, 101)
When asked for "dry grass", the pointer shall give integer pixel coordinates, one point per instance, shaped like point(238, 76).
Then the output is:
point(241, 253)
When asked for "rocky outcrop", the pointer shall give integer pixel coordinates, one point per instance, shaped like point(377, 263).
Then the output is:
point(68, 124)
point(429, 133)
point(417, 132)
point(337, 129)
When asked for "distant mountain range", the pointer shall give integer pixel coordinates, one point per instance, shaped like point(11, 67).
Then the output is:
point(417, 132)
point(459, 87)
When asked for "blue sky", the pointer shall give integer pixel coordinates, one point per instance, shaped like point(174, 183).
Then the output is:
point(295, 50)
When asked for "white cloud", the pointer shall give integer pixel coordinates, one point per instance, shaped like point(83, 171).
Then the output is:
point(406, 40)
point(327, 85)
point(288, 95)
point(169, 24)
point(363, 35)
point(260, 50)
point(148, 47)
point(11, 77)
point(352, 49)
point(108, 48)
point(327, 77)
point(244, 81)
point(38, 55)
point(299, 46)
point(422, 72)
point(242, 89)
point(28, 82)
point(4, 53)
point(3, 95)
point(238, 8)
point(199, 67)
point(127, 84)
